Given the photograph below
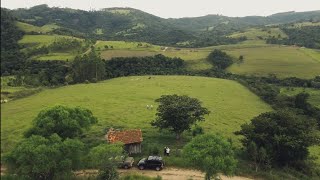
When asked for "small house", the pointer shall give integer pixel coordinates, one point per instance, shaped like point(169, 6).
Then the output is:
point(132, 139)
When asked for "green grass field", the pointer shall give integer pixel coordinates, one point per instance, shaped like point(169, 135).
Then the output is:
point(255, 33)
point(312, 53)
point(31, 28)
point(282, 61)
point(125, 53)
point(40, 40)
point(121, 102)
point(260, 59)
point(314, 94)
point(56, 56)
point(297, 25)
point(195, 57)
point(122, 45)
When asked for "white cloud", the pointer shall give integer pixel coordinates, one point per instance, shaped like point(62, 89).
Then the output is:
point(181, 8)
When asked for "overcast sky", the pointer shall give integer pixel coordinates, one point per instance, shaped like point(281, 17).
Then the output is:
point(180, 8)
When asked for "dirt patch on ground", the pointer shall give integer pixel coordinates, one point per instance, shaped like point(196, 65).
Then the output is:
point(166, 174)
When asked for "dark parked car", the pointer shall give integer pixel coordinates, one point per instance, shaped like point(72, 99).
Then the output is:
point(152, 162)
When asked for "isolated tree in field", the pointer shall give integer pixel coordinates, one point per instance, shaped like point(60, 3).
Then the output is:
point(38, 157)
point(178, 113)
point(212, 154)
point(284, 135)
point(220, 59)
point(64, 121)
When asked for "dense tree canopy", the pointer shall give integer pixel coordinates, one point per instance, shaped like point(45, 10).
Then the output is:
point(106, 157)
point(284, 135)
point(88, 68)
point(64, 121)
point(178, 113)
point(157, 64)
point(220, 59)
point(105, 153)
point(307, 36)
point(11, 58)
point(211, 154)
point(38, 157)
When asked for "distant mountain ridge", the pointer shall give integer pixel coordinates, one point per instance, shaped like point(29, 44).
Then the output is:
point(135, 25)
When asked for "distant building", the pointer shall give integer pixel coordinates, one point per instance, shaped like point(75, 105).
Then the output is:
point(132, 139)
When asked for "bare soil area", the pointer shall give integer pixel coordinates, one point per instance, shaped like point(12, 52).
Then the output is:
point(166, 174)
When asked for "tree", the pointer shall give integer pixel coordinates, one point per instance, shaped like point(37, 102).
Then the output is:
point(257, 155)
point(88, 67)
point(178, 113)
point(104, 153)
point(301, 100)
point(108, 172)
point(220, 59)
point(44, 158)
point(284, 135)
point(105, 157)
point(66, 122)
point(211, 154)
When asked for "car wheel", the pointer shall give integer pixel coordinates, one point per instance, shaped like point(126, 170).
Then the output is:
point(141, 167)
point(126, 166)
point(158, 168)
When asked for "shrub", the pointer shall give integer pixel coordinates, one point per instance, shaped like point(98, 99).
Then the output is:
point(197, 130)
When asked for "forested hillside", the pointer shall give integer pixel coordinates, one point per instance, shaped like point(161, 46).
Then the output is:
point(11, 57)
point(307, 36)
point(135, 25)
point(212, 21)
point(117, 24)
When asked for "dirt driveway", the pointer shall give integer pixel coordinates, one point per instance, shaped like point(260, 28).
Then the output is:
point(166, 174)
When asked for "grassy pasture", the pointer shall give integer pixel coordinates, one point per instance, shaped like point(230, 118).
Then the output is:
point(254, 33)
point(123, 45)
point(314, 94)
point(56, 56)
point(281, 61)
point(41, 39)
point(297, 25)
point(31, 28)
point(260, 59)
point(125, 53)
point(121, 102)
point(312, 53)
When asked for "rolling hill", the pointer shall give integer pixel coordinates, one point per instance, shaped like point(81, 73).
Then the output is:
point(135, 25)
point(111, 23)
point(280, 44)
point(259, 59)
point(122, 103)
point(281, 61)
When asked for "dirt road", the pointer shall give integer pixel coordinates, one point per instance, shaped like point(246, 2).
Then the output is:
point(166, 174)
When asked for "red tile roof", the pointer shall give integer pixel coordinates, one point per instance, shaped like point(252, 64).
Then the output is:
point(126, 137)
